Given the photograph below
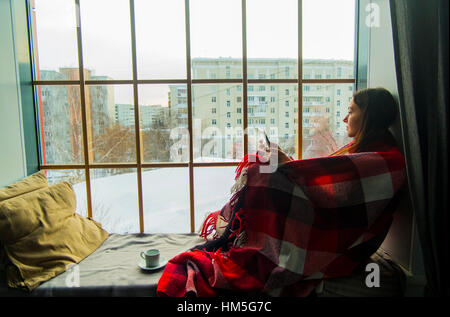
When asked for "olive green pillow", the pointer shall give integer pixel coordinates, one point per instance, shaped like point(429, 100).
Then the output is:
point(42, 235)
point(28, 184)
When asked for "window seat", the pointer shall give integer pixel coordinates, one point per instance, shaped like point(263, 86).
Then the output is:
point(112, 270)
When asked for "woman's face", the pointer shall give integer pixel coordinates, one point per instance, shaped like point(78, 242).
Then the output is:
point(353, 119)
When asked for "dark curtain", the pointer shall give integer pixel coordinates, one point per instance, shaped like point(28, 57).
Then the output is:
point(420, 34)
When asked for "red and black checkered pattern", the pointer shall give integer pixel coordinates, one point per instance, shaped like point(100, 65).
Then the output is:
point(310, 220)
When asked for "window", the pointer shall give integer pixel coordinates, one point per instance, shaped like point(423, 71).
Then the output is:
point(114, 110)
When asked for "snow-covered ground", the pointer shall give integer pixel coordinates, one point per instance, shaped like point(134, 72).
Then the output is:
point(165, 198)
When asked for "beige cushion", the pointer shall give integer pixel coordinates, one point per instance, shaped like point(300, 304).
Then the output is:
point(42, 235)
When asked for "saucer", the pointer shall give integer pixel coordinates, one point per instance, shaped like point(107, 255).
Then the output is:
point(162, 263)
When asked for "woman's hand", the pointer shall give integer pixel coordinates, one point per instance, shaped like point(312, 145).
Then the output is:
point(282, 157)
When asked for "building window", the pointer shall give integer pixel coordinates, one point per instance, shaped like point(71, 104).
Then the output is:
point(213, 121)
point(213, 99)
point(213, 110)
point(286, 103)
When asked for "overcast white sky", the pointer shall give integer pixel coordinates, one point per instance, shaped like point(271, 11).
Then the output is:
point(328, 33)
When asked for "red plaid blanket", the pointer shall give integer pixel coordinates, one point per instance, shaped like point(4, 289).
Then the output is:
point(310, 220)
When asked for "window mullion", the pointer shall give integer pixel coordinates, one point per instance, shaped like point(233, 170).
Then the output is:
point(136, 118)
point(244, 74)
point(83, 111)
point(189, 104)
point(300, 82)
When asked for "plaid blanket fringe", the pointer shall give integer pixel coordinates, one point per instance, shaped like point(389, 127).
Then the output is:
point(310, 220)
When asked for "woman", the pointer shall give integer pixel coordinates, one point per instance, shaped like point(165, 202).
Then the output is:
point(370, 113)
point(282, 233)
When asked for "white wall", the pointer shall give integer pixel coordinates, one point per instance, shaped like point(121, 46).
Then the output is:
point(12, 157)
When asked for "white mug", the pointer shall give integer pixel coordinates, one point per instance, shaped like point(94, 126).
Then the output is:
point(151, 257)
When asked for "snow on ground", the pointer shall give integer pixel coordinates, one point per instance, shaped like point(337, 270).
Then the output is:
point(165, 198)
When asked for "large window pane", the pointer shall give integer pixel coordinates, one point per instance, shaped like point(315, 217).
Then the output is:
point(210, 195)
point(55, 38)
point(217, 122)
point(324, 108)
point(273, 108)
point(164, 123)
point(60, 123)
point(216, 38)
point(111, 123)
point(106, 35)
point(166, 200)
point(272, 32)
point(160, 39)
point(328, 34)
point(115, 199)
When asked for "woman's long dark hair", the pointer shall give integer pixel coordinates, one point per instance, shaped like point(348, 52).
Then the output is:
point(378, 109)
